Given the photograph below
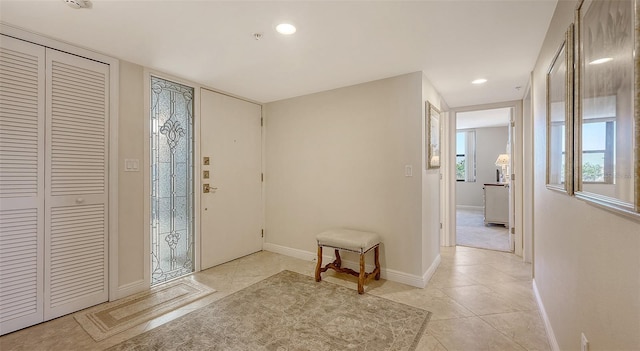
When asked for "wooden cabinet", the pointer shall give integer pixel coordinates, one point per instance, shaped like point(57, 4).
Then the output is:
point(496, 204)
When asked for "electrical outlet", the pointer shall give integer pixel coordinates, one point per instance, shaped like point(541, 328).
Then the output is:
point(584, 343)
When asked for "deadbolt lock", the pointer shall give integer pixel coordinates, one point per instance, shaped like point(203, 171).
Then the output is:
point(205, 160)
point(205, 174)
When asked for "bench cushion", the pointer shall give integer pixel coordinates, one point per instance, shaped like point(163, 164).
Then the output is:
point(348, 239)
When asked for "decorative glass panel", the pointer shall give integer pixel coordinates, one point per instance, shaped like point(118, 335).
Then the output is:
point(172, 233)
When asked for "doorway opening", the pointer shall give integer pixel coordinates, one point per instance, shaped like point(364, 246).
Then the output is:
point(172, 193)
point(483, 178)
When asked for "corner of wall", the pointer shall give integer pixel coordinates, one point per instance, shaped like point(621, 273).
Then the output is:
point(426, 277)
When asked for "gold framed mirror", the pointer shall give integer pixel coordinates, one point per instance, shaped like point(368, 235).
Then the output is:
point(560, 118)
point(432, 126)
point(607, 128)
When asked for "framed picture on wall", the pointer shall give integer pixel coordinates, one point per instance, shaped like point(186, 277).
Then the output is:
point(560, 118)
point(607, 126)
point(432, 136)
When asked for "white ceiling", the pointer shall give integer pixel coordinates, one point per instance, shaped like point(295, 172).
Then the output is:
point(496, 117)
point(338, 43)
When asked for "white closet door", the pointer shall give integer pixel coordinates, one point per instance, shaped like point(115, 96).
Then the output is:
point(21, 183)
point(76, 200)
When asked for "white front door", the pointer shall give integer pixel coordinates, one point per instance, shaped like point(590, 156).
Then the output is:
point(231, 212)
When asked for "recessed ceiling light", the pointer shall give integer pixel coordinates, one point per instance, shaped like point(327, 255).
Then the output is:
point(479, 81)
point(77, 4)
point(601, 60)
point(286, 28)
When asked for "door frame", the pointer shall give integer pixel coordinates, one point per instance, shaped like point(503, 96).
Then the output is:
point(114, 104)
point(197, 169)
point(450, 175)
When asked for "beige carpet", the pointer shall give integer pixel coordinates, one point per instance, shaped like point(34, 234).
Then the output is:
point(107, 319)
point(471, 231)
point(290, 311)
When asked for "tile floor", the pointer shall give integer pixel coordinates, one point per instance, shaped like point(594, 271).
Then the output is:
point(480, 299)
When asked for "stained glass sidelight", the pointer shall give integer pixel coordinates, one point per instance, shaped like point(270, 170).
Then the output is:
point(171, 180)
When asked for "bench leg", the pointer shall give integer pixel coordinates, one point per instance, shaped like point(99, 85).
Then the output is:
point(362, 275)
point(377, 260)
point(338, 261)
point(319, 264)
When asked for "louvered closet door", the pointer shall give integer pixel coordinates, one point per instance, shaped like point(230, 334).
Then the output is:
point(21, 183)
point(76, 202)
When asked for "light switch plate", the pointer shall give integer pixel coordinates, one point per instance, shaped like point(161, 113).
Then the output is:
point(131, 165)
point(408, 171)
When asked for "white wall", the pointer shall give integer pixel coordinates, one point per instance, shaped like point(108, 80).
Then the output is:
point(490, 142)
point(337, 159)
point(131, 184)
point(587, 260)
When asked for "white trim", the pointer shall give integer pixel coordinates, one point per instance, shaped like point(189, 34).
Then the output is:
point(114, 106)
point(197, 176)
point(146, 162)
point(131, 288)
point(114, 164)
point(528, 174)
point(553, 343)
point(385, 273)
point(426, 277)
point(465, 207)
point(450, 182)
point(291, 252)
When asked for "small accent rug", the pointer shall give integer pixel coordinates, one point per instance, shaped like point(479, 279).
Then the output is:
point(107, 319)
point(471, 231)
point(290, 311)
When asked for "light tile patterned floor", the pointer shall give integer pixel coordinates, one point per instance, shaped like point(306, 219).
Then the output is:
point(480, 299)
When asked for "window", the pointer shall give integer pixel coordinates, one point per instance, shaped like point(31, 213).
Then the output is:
point(598, 151)
point(466, 156)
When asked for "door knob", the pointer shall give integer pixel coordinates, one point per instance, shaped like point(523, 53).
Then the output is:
point(206, 188)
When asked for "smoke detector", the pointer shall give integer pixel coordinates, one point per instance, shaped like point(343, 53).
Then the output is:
point(77, 4)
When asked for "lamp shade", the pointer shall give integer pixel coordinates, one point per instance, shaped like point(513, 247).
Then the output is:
point(503, 160)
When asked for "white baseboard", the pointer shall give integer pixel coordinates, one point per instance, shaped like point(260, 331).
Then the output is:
point(288, 251)
point(130, 289)
point(385, 273)
point(431, 270)
point(553, 343)
point(465, 207)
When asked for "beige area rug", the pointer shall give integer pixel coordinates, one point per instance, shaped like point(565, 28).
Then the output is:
point(110, 318)
point(471, 231)
point(290, 311)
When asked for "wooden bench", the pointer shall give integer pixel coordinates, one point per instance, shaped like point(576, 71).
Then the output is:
point(353, 241)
